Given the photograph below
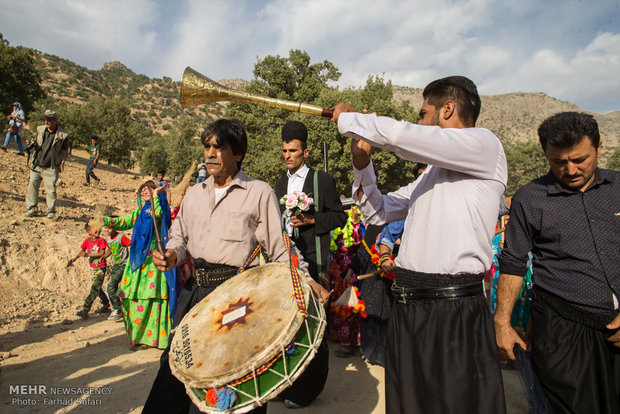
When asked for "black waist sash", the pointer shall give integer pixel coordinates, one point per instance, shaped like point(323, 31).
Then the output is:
point(212, 274)
point(411, 285)
point(572, 312)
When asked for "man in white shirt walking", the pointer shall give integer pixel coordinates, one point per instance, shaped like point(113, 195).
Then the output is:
point(440, 352)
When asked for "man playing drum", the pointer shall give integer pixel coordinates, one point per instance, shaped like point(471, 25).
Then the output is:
point(219, 224)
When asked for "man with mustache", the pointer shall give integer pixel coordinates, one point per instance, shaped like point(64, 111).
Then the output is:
point(52, 147)
point(220, 222)
point(569, 220)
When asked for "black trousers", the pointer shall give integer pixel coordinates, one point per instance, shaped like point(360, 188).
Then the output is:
point(441, 357)
point(168, 395)
point(578, 368)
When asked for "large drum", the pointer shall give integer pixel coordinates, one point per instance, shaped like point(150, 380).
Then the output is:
point(248, 338)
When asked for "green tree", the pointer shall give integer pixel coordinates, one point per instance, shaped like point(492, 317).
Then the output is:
point(526, 161)
point(153, 156)
point(110, 120)
point(613, 163)
point(294, 78)
point(19, 78)
point(174, 151)
point(182, 147)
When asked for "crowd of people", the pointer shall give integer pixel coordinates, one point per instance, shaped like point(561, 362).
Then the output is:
point(434, 271)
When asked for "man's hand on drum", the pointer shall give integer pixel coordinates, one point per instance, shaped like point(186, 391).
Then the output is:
point(302, 220)
point(166, 261)
point(321, 293)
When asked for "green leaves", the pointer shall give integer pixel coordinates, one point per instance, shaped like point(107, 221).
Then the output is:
point(19, 79)
point(110, 120)
point(613, 163)
point(174, 152)
point(526, 161)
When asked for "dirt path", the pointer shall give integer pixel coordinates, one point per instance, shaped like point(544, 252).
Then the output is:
point(94, 353)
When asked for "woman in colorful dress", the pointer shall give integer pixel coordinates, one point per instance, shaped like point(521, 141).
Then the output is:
point(148, 296)
point(344, 324)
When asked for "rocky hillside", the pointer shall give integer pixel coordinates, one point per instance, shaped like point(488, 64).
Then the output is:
point(154, 102)
point(37, 285)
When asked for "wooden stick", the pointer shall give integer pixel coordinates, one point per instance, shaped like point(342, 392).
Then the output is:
point(371, 274)
point(160, 245)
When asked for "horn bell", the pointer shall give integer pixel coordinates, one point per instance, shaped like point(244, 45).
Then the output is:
point(197, 89)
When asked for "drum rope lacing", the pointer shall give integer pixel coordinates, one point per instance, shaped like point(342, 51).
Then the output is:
point(288, 349)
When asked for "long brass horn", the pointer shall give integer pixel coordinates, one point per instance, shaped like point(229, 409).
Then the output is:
point(197, 89)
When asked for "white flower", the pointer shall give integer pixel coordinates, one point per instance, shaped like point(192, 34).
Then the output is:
point(290, 203)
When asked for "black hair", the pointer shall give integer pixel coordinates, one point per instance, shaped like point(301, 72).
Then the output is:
point(567, 129)
point(95, 137)
point(86, 226)
point(459, 89)
point(162, 172)
point(418, 169)
point(227, 132)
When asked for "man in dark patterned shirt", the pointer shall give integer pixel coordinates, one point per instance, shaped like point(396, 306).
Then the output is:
point(569, 220)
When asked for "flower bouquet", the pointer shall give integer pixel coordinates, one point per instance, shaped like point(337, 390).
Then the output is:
point(295, 203)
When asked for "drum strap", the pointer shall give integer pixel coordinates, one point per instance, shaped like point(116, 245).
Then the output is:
point(251, 258)
point(298, 292)
point(317, 239)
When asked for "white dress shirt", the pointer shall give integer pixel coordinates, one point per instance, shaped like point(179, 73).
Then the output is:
point(297, 179)
point(295, 183)
point(450, 212)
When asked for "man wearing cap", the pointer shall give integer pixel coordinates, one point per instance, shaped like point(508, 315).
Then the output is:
point(16, 128)
point(312, 238)
point(220, 222)
point(52, 146)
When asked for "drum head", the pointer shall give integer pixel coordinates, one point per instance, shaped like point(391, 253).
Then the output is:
point(241, 325)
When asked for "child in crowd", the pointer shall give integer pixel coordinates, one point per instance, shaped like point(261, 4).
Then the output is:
point(93, 247)
point(93, 159)
point(119, 250)
point(161, 181)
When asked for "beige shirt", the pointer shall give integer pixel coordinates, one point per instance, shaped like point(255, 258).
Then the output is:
point(227, 232)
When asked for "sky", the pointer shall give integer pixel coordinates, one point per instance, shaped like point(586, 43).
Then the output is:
point(568, 49)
